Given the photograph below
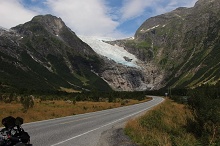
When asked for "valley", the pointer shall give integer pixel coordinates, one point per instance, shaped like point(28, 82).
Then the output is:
point(48, 71)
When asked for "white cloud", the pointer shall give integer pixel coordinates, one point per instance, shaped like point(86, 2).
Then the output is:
point(135, 8)
point(12, 13)
point(173, 4)
point(86, 17)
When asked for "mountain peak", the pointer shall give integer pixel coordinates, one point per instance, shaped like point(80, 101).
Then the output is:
point(51, 22)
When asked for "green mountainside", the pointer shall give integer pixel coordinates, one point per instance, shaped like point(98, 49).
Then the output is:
point(44, 54)
point(184, 43)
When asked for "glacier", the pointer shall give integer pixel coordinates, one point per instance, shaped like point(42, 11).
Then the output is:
point(113, 52)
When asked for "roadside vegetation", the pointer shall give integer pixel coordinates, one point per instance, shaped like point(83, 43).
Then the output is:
point(165, 125)
point(41, 107)
point(192, 119)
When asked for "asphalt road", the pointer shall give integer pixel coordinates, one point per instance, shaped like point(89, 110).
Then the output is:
point(84, 129)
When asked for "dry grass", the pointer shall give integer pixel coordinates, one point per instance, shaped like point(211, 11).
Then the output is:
point(44, 110)
point(165, 125)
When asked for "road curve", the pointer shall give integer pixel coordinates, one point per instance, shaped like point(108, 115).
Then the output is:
point(84, 129)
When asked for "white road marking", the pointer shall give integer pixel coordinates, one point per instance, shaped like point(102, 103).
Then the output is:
point(102, 126)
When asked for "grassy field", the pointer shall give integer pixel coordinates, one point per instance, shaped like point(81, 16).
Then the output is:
point(165, 125)
point(43, 110)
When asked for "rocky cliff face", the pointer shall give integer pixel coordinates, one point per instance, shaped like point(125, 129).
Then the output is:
point(122, 78)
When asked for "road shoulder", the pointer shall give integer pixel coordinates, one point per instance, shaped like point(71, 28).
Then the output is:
point(115, 137)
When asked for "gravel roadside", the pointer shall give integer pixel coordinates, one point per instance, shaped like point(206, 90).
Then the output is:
point(115, 137)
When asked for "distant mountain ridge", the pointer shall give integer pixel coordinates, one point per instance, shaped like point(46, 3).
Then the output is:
point(179, 49)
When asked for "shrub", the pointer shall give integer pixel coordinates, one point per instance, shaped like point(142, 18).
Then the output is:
point(205, 104)
point(27, 102)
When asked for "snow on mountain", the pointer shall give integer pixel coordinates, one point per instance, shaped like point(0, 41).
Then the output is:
point(116, 53)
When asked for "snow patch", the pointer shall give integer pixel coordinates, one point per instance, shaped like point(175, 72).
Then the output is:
point(180, 16)
point(142, 30)
point(131, 38)
point(113, 52)
point(152, 27)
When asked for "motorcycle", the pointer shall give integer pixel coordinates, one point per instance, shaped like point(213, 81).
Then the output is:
point(13, 134)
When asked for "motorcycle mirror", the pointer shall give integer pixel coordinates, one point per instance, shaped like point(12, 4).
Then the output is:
point(19, 121)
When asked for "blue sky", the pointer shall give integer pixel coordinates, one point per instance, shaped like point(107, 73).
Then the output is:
point(102, 18)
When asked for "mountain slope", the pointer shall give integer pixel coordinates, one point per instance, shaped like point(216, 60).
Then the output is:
point(44, 54)
point(184, 44)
